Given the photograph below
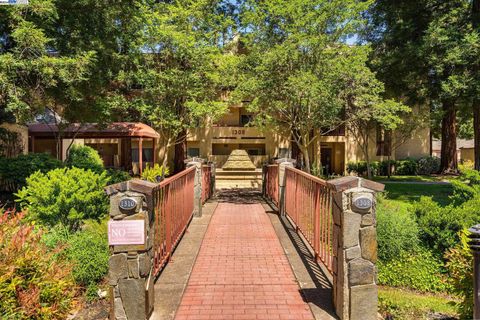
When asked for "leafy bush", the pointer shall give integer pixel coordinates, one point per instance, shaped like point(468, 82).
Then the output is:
point(466, 186)
point(87, 250)
point(418, 270)
point(360, 167)
point(397, 230)
point(156, 173)
point(383, 167)
point(84, 157)
point(407, 167)
point(66, 196)
point(428, 165)
point(117, 176)
point(439, 227)
point(15, 171)
point(460, 269)
point(33, 283)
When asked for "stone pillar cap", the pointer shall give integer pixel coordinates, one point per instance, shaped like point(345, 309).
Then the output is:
point(195, 159)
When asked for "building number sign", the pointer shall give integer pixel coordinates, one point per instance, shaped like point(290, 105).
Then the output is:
point(127, 204)
point(238, 131)
point(362, 202)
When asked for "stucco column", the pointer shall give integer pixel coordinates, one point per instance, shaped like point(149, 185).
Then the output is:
point(475, 247)
point(197, 195)
point(354, 245)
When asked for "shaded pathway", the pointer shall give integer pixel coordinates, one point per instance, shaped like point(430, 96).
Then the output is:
point(241, 271)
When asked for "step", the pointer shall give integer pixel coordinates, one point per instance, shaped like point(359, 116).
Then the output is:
point(238, 178)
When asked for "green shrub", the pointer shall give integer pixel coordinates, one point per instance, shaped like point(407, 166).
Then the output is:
point(383, 167)
point(87, 250)
point(460, 270)
point(117, 176)
point(407, 167)
point(428, 165)
point(418, 270)
point(360, 168)
point(84, 157)
point(156, 173)
point(439, 227)
point(15, 171)
point(397, 230)
point(466, 186)
point(66, 196)
point(33, 283)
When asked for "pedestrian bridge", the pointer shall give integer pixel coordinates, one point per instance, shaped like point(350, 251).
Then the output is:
point(302, 248)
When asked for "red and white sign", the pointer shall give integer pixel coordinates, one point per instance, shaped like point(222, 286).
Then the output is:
point(126, 232)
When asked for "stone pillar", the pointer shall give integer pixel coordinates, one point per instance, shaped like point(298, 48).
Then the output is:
point(475, 247)
point(355, 295)
point(197, 190)
point(282, 164)
point(130, 272)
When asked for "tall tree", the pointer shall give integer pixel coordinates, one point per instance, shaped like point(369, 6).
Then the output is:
point(421, 51)
point(300, 73)
point(181, 72)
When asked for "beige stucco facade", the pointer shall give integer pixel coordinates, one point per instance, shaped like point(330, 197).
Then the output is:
point(215, 142)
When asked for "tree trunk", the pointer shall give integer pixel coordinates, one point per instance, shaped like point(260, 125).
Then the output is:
point(306, 158)
point(476, 101)
point(476, 131)
point(296, 152)
point(180, 152)
point(448, 160)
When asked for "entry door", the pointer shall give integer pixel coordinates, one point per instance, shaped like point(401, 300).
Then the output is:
point(326, 158)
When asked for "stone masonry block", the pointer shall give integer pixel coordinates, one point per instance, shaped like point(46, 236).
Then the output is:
point(352, 253)
point(118, 309)
point(368, 242)
point(132, 292)
point(133, 268)
point(117, 268)
point(360, 272)
point(351, 227)
point(363, 302)
point(368, 220)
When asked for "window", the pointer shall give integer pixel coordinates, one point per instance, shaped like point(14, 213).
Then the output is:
point(147, 155)
point(193, 152)
point(384, 142)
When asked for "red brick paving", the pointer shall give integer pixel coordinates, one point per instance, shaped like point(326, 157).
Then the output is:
point(241, 271)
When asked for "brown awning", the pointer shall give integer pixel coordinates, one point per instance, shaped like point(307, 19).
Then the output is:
point(92, 130)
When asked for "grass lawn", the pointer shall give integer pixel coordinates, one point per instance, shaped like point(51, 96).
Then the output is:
point(405, 304)
point(409, 192)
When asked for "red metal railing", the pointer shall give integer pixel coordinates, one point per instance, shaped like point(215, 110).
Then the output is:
point(206, 183)
point(308, 203)
point(271, 180)
point(173, 205)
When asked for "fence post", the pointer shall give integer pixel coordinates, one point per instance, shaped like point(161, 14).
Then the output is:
point(355, 294)
point(475, 247)
point(282, 164)
point(197, 193)
point(131, 235)
point(213, 177)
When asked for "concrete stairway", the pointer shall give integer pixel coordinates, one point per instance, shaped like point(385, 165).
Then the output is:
point(226, 179)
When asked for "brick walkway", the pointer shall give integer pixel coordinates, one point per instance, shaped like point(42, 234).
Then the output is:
point(241, 271)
